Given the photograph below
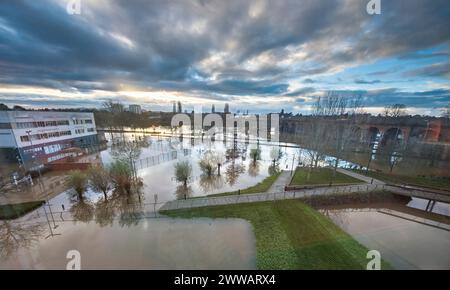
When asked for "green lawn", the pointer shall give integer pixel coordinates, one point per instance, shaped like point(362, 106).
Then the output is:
point(425, 181)
point(320, 176)
point(291, 235)
point(263, 186)
point(13, 211)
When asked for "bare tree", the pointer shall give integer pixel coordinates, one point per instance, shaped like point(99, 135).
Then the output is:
point(332, 104)
point(100, 180)
point(128, 151)
point(395, 110)
point(112, 120)
point(333, 127)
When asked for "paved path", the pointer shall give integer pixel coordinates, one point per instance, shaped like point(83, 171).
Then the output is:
point(276, 192)
point(362, 177)
point(281, 182)
point(266, 196)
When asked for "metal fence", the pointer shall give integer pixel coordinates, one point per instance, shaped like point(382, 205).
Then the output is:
point(160, 158)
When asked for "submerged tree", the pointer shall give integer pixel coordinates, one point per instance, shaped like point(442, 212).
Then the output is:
point(79, 182)
point(100, 180)
point(208, 163)
point(183, 171)
point(129, 152)
point(121, 176)
point(275, 154)
point(255, 154)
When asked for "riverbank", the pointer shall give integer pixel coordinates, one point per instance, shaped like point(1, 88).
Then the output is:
point(290, 235)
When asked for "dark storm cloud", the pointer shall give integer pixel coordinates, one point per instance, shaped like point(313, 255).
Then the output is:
point(216, 48)
point(425, 99)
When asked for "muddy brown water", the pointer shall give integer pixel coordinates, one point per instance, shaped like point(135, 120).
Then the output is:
point(405, 235)
point(161, 243)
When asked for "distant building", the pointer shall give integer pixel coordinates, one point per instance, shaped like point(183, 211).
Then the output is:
point(135, 109)
point(35, 138)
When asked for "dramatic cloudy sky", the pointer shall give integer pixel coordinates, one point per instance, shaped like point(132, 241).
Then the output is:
point(256, 55)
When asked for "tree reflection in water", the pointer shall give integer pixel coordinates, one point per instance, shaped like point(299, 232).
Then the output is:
point(128, 208)
point(104, 212)
point(82, 210)
point(253, 168)
point(233, 172)
point(211, 183)
point(183, 192)
point(14, 235)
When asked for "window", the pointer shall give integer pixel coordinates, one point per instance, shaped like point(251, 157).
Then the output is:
point(90, 129)
point(26, 138)
point(5, 126)
point(88, 121)
point(25, 125)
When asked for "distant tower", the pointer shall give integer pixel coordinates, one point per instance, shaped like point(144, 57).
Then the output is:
point(213, 109)
point(227, 108)
point(174, 108)
point(180, 109)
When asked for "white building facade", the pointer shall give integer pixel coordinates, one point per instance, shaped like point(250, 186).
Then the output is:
point(40, 137)
point(135, 109)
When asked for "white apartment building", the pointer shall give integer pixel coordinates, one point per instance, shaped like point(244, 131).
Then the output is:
point(40, 137)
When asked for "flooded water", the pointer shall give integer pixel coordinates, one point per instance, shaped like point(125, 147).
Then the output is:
point(405, 235)
point(238, 171)
point(158, 243)
point(126, 232)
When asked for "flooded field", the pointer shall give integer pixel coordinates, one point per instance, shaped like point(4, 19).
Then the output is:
point(157, 159)
point(405, 235)
point(150, 243)
point(126, 232)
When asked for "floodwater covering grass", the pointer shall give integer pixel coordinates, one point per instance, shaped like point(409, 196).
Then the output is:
point(13, 211)
point(262, 186)
point(434, 182)
point(320, 176)
point(290, 235)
